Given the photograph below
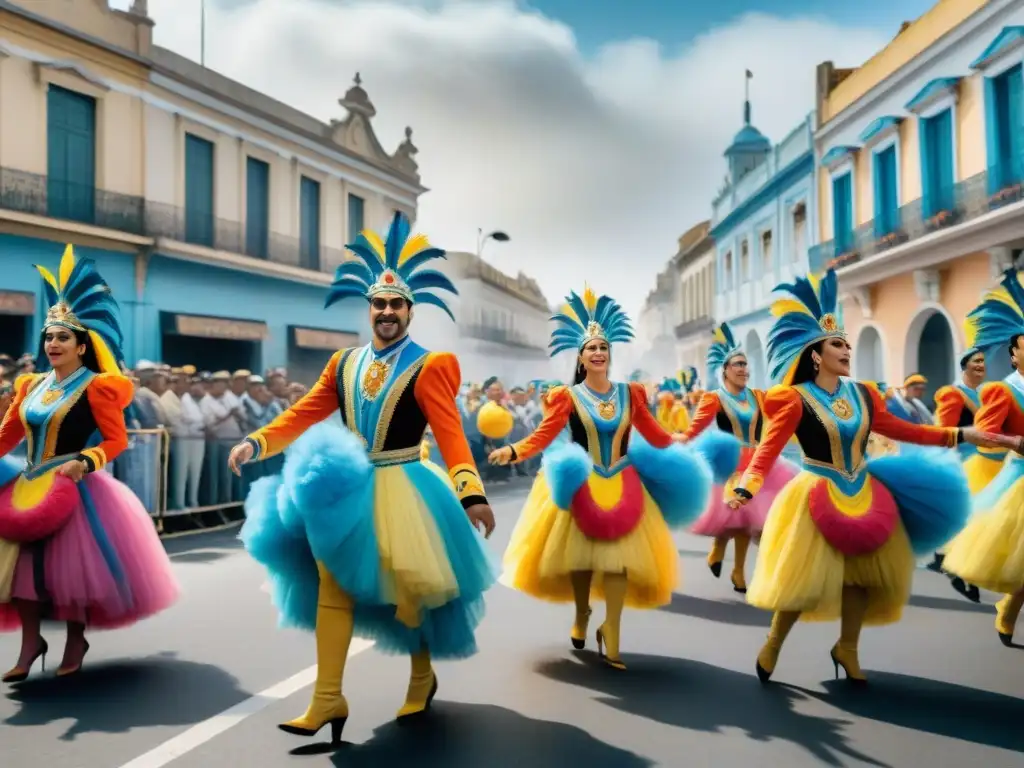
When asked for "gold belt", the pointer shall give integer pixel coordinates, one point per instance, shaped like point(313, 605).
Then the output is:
point(394, 457)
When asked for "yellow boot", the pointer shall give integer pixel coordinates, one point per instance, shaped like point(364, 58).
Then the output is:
point(717, 555)
point(581, 597)
point(334, 624)
point(608, 633)
point(782, 622)
point(741, 542)
point(422, 686)
point(1007, 611)
point(844, 653)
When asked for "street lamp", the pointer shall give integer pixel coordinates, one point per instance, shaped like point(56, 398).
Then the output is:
point(481, 239)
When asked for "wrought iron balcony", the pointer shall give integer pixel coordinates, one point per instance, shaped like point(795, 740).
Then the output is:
point(1000, 185)
point(42, 196)
point(690, 327)
point(508, 337)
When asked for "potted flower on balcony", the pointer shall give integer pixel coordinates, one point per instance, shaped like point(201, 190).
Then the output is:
point(844, 259)
point(1008, 194)
point(941, 219)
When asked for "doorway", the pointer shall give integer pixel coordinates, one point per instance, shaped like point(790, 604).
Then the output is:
point(210, 354)
point(14, 336)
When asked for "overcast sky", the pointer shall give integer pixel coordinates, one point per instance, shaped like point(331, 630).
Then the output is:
point(594, 151)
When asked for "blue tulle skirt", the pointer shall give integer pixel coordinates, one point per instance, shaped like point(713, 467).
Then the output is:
point(389, 535)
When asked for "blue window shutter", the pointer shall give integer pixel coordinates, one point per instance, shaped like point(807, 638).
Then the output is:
point(842, 212)
point(992, 148)
point(945, 151)
point(309, 205)
point(257, 208)
point(71, 155)
point(199, 221)
point(927, 196)
point(1015, 122)
point(878, 187)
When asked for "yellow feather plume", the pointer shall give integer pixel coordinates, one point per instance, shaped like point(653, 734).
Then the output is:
point(1003, 296)
point(67, 264)
point(47, 275)
point(375, 243)
point(570, 312)
point(103, 354)
point(718, 337)
point(783, 307)
point(589, 298)
point(412, 246)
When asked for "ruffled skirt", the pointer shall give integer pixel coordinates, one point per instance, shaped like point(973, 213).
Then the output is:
point(105, 567)
point(395, 538)
point(548, 544)
point(818, 539)
point(990, 550)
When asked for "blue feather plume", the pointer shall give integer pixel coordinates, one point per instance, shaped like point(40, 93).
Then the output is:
point(573, 321)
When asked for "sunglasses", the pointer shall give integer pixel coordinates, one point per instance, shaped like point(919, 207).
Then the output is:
point(381, 304)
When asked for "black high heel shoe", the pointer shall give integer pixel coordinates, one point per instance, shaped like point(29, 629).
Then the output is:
point(19, 675)
point(337, 727)
point(838, 662)
point(70, 671)
point(716, 569)
point(579, 643)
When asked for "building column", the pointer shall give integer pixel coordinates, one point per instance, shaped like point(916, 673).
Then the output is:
point(136, 346)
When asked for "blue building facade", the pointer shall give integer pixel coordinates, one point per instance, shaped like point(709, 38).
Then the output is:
point(185, 312)
point(764, 221)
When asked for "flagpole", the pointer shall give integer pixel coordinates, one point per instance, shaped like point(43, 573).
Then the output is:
point(202, 33)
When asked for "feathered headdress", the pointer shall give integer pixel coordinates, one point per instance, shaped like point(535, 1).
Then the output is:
point(689, 378)
point(80, 300)
point(585, 318)
point(808, 313)
point(672, 386)
point(1000, 316)
point(392, 267)
point(723, 348)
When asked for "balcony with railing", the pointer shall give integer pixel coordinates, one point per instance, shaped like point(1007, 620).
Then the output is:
point(698, 325)
point(966, 200)
point(508, 337)
point(40, 195)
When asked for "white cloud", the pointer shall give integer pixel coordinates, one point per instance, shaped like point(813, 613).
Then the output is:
point(594, 165)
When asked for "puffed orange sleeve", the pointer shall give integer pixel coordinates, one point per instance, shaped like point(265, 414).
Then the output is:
point(783, 407)
point(996, 403)
point(12, 429)
point(643, 421)
point(437, 386)
point(895, 428)
point(315, 406)
point(557, 409)
point(109, 394)
point(707, 411)
point(949, 404)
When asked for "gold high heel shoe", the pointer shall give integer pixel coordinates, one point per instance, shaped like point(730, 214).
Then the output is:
point(578, 634)
point(612, 661)
point(847, 659)
point(19, 675)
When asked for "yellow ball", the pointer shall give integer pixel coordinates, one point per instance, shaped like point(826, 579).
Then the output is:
point(493, 421)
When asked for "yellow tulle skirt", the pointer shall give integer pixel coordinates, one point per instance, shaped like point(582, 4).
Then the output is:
point(798, 570)
point(547, 546)
point(980, 471)
point(989, 552)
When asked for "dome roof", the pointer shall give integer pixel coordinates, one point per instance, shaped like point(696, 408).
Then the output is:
point(748, 139)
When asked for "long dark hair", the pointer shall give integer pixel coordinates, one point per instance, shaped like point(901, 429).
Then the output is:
point(89, 359)
point(581, 370)
point(805, 370)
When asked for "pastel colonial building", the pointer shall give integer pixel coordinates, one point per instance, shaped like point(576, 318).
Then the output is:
point(920, 185)
point(763, 222)
point(654, 351)
point(694, 266)
point(216, 213)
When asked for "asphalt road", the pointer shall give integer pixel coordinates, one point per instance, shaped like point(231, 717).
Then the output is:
point(206, 683)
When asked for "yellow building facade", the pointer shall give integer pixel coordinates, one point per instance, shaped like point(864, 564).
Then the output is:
point(217, 213)
point(919, 184)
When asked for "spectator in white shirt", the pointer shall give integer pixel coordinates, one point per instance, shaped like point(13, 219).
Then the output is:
point(222, 415)
point(189, 446)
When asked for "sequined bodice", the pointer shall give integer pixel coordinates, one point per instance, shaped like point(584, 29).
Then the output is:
point(739, 415)
point(45, 412)
point(601, 423)
point(377, 397)
point(834, 431)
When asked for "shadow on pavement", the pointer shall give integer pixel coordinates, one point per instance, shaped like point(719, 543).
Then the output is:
point(950, 604)
point(181, 548)
point(455, 735)
point(120, 696)
point(205, 556)
point(722, 611)
point(931, 706)
point(700, 697)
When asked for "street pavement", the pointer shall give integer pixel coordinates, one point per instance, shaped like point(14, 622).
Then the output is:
point(205, 684)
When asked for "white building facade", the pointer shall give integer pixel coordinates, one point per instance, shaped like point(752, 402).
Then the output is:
point(502, 328)
point(763, 223)
point(655, 352)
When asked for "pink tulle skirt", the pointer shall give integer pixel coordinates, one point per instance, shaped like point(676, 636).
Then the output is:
point(721, 520)
point(79, 584)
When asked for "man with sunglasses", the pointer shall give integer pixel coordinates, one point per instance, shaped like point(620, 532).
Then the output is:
point(361, 537)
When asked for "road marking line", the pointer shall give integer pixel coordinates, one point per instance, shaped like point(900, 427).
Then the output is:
point(212, 727)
